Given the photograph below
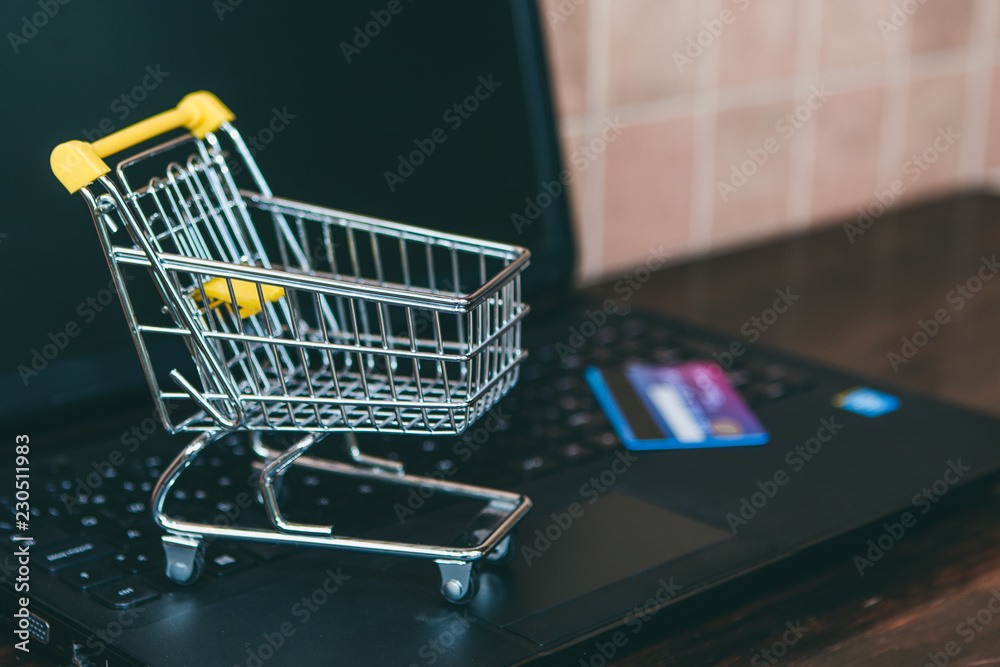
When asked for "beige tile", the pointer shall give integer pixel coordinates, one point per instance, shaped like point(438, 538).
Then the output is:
point(644, 36)
point(760, 42)
point(758, 207)
point(846, 164)
point(935, 105)
point(993, 141)
point(565, 25)
point(648, 192)
point(851, 34)
point(939, 25)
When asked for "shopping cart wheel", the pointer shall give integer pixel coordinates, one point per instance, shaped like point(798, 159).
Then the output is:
point(459, 581)
point(185, 558)
point(503, 552)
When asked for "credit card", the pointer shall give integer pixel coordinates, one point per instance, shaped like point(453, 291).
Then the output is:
point(682, 406)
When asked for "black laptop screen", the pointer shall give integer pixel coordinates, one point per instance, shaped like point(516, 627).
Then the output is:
point(435, 114)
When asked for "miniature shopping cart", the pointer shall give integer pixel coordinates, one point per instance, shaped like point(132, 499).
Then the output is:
point(301, 319)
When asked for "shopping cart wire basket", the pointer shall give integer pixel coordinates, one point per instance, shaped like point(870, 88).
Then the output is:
point(303, 319)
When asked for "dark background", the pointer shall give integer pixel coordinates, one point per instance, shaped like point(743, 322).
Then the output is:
point(268, 63)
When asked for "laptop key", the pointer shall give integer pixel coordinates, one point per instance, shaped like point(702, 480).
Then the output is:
point(758, 394)
point(568, 383)
point(87, 525)
point(798, 382)
point(43, 535)
point(635, 327)
point(532, 373)
point(266, 551)
point(136, 507)
point(600, 354)
point(575, 453)
point(124, 593)
point(774, 372)
point(556, 432)
point(775, 390)
point(67, 553)
point(94, 573)
point(140, 558)
point(631, 347)
point(123, 537)
point(48, 512)
point(699, 348)
point(119, 517)
point(667, 355)
point(227, 561)
point(605, 441)
point(739, 377)
point(536, 466)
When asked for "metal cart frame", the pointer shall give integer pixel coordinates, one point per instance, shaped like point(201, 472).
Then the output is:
point(331, 338)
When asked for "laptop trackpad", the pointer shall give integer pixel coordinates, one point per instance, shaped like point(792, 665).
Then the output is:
point(562, 557)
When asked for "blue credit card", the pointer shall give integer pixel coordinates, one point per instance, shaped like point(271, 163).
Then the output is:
point(682, 406)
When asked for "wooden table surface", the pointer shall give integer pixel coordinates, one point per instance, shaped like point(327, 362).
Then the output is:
point(856, 302)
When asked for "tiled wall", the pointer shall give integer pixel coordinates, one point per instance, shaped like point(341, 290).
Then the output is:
point(845, 99)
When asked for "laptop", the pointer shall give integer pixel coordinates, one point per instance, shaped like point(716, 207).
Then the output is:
point(334, 100)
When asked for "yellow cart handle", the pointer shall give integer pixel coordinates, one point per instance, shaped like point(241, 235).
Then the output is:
point(77, 163)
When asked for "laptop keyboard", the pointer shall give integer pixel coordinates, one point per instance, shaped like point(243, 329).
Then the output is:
point(95, 533)
point(551, 420)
